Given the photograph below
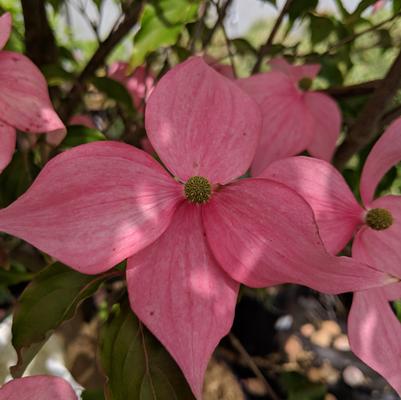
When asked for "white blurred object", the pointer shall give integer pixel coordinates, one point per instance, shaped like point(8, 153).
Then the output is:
point(49, 361)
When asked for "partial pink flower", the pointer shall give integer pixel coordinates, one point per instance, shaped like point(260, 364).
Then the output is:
point(139, 83)
point(54, 139)
point(84, 120)
point(38, 387)
point(378, 5)
point(376, 228)
point(294, 118)
point(190, 237)
point(24, 98)
point(224, 69)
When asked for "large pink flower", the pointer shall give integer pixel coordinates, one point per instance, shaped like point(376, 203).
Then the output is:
point(376, 226)
point(192, 236)
point(294, 119)
point(24, 99)
point(38, 387)
point(139, 83)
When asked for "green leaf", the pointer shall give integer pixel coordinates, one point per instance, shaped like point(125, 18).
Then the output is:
point(16, 178)
point(114, 90)
point(79, 134)
point(320, 28)
point(299, 8)
point(13, 277)
point(362, 6)
point(56, 75)
point(396, 6)
point(243, 47)
point(51, 298)
point(161, 23)
point(92, 394)
point(136, 364)
point(299, 387)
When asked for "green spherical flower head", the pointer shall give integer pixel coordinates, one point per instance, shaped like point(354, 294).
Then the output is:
point(379, 219)
point(198, 189)
point(305, 84)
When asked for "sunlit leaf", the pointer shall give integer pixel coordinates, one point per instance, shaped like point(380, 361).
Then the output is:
point(136, 364)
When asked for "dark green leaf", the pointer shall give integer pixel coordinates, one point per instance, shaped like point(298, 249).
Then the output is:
point(161, 24)
point(79, 134)
point(299, 387)
point(396, 6)
point(114, 90)
point(50, 299)
point(13, 277)
point(93, 394)
point(16, 178)
point(136, 364)
point(56, 75)
point(243, 47)
point(362, 6)
point(299, 8)
point(320, 28)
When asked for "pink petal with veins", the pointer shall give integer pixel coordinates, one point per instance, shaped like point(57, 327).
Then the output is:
point(182, 295)
point(263, 233)
point(201, 123)
point(374, 333)
point(5, 29)
point(385, 154)
point(288, 125)
point(24, 99)
point(7, 144)
point(326, 127)
point(38, 387)
point(336, 211)
point(93, 206)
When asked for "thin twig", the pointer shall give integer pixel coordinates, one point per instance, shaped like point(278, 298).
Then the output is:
point(99, 57)
point(366, 126)
point(220, 20)
point(264, 50)
point(359, 89)
point(40, 43)
point(252, 365)
point(351, 38)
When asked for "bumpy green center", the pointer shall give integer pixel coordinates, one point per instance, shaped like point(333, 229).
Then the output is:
point(305, 83)
point(198, 189)
point(379, 219)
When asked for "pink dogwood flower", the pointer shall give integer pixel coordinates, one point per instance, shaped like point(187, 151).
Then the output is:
point(24, 99)
point(139, 83)
point(190, 237)
point(374, 330)
point(39, 387)
point(294, 119)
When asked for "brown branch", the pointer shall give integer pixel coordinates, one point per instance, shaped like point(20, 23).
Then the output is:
point(98, 59)
point(221, 14)
point(40, 43)
point(367, 124)
point(252, 365)
point(356, 35)
point(391, 115)
point(359, 89)
point(264, 50)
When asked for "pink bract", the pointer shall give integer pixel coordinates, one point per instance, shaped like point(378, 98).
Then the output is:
point(192, 237)
point(373, 328)
point(38, 387)
point(24, 100)
point(139, 83)
point(294, 120)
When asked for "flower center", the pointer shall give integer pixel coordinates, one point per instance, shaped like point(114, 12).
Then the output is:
point(305, 84)
point(379, 219)
point(198, 189)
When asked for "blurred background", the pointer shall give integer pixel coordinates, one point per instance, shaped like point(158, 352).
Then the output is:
point(287, 342)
